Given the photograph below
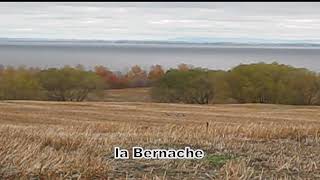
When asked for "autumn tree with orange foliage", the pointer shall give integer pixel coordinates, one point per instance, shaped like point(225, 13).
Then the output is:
point(184, 67)
point(111, 79)
point(137, 77)
point(156, 72)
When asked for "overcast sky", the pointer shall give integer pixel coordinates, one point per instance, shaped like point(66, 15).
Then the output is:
point(160, 21)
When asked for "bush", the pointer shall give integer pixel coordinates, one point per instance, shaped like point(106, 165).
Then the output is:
point(19, 84)
point(192, 86)
point(273, 83)
point(69, 84)
point(252, 83)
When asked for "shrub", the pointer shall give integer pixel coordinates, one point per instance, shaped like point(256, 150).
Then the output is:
point(69, 84)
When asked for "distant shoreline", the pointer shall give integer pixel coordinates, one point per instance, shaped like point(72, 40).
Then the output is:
point(26, 41)
point(153, 45)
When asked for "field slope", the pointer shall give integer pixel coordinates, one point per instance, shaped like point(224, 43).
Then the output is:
point(76, 140)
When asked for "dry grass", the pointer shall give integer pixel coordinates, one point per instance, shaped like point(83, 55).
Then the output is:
point(75, 140)
point(124, 95)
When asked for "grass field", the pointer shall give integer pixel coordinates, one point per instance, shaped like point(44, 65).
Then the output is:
point(75, 140)
point(127, 95)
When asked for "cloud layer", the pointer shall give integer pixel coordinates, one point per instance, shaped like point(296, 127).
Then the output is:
point(160, 21)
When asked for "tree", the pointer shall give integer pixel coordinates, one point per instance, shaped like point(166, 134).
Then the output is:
point(273, 83)
point(184, 67)
point(19, 84)
point(247, 83)
point(69, 84)
point(156, 72)
point(201, 89)
point(193, 86)
point(137, 77)
point(105, 74)
point(221, 88)
point(304, 87)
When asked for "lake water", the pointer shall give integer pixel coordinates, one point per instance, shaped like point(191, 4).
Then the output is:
point(121, 57)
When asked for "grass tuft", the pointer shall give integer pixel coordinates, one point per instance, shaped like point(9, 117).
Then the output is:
point(217, 160)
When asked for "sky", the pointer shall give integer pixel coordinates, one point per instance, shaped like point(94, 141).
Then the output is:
point(160, 20)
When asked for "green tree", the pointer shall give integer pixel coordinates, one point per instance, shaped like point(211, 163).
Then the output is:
point(19, 84)
point(69, 84)
point(273, 83)
point(192, 86)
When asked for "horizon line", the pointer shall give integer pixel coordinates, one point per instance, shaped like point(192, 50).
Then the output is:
point(201, 40)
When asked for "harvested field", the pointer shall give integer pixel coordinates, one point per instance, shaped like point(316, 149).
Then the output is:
point(76, 140)
point(125, 95)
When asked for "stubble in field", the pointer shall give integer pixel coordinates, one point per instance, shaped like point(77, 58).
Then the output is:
point(76, 140)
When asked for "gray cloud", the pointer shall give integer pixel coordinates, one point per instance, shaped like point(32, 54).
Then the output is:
point(160, 20)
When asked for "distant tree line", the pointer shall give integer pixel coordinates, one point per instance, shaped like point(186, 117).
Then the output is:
point(251, 83)
point(69, 83)
point(246, 83)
